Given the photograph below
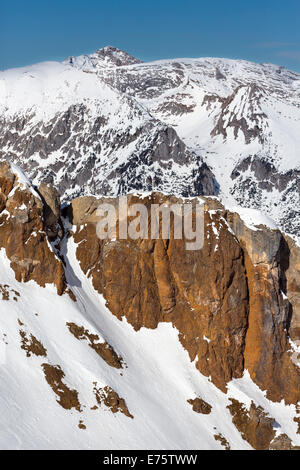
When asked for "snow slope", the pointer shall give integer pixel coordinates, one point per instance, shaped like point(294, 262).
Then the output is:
point(156, 384)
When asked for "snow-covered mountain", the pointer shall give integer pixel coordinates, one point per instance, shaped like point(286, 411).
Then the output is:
point(135, 344)
point(69, 128)
point(106, 123)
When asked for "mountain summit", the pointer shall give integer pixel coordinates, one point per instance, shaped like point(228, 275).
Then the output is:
point(105, 57)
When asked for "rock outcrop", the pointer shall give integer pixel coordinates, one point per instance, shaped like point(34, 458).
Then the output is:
point(51, 210)
point(107, 124)
point(254, 425)
point(24, 231)
point(267, 349)
point(200, 406)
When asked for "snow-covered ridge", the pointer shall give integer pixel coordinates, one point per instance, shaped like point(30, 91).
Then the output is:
point(43, 90)
point(104, 113)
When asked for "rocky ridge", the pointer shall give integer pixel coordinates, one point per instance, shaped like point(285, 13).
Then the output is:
point(28, 225)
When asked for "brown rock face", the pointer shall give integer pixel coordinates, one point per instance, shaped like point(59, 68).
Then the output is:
point(108, 397)
point(203, 293)
point(222, 440)
point(225, 300)
point(32, 345)
point(51, 210)
point(83, 209)
point(293, 285)
point(67, 398)
point(200, 406)
point(104, 350)
point(23, 233)
point(283, 442)
point(254, 425)
point(267, 356)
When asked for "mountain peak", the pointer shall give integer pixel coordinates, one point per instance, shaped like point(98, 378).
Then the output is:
point(117, 56)
point(106, 57)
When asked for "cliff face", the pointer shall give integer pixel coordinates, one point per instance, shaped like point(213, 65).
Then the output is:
point(202, 293)
point(292, 284)
point(234, 303)
point(268, 350)
point(24, 231)
point(229, 300)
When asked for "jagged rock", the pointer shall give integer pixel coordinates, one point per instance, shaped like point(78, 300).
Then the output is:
point(222, 440)
point(51, 200)
point(105, 57)
point(32, 345)
point(67, 398)
point(110, 398)
point(103, 349)
point(83, 209)
point(22, 233)
point(291, 284)
point(255, 176)
point(267, 342)
point(155, 283)
point(200, 406)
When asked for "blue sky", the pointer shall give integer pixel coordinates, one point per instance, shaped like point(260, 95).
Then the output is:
point(258, 30)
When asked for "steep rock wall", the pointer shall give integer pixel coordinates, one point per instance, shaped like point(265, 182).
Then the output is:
point(23, 232)
point(227, 300)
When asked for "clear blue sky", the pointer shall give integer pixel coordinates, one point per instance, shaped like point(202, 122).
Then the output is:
point(258, 30)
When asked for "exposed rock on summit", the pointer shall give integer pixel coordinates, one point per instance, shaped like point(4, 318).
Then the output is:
point(227, 300)
point(105, 57)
